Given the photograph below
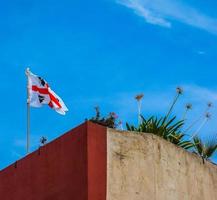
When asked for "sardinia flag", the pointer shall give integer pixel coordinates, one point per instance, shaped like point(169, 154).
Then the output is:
point(40, 94)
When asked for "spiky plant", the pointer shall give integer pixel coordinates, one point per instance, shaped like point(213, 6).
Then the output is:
point(170, 130)
point(209, 106)
point(179, 92)
point(207, 117)
point(188, 107)
point(205, 150)
point(139, 98)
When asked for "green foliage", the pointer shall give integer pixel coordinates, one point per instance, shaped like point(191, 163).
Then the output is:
point(170, 130)
point(166, 127)
point(108, 121)
point(204, 149)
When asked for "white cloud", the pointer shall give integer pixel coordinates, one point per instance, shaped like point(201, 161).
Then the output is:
point(162, 12)
point(149, 16)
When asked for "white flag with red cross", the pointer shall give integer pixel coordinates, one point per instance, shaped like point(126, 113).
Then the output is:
point(39, 94)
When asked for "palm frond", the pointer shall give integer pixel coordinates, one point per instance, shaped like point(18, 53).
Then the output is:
point(169, 129)
point(205, 149)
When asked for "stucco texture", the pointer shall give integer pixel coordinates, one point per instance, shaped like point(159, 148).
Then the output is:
point(146, 167)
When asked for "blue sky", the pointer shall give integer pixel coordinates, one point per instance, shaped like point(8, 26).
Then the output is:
point(104, 52)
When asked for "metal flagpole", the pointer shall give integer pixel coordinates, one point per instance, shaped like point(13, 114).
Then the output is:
point(28, 114)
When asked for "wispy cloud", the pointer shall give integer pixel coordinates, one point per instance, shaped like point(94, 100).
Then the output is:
point(198, 93)
point(201, 52)
point(163, 12)
point(149, 16)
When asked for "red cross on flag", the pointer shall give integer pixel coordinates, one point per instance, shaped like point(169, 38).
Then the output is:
point(40, 94)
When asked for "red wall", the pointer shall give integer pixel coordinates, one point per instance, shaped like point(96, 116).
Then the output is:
point(97, 162)
point(71, 167)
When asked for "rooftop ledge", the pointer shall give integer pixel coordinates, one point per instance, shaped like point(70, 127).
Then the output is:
point(97, 163)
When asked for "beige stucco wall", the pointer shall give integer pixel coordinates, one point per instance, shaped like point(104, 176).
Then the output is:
point(146, 167)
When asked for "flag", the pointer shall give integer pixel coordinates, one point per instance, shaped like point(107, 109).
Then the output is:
point(39, 94)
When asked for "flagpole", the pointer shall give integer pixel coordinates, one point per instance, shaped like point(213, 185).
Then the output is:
point(28, 115)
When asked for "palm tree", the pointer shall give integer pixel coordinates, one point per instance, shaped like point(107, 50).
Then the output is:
point(205, 149)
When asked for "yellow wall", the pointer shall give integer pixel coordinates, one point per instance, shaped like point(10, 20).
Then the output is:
point(146, 167)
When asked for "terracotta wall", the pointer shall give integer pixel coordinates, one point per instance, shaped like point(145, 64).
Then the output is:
point(64, 169)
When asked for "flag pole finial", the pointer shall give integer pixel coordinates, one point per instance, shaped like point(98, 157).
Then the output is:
point(27, 71)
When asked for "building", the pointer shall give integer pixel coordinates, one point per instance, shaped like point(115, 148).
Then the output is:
point(92, 162)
